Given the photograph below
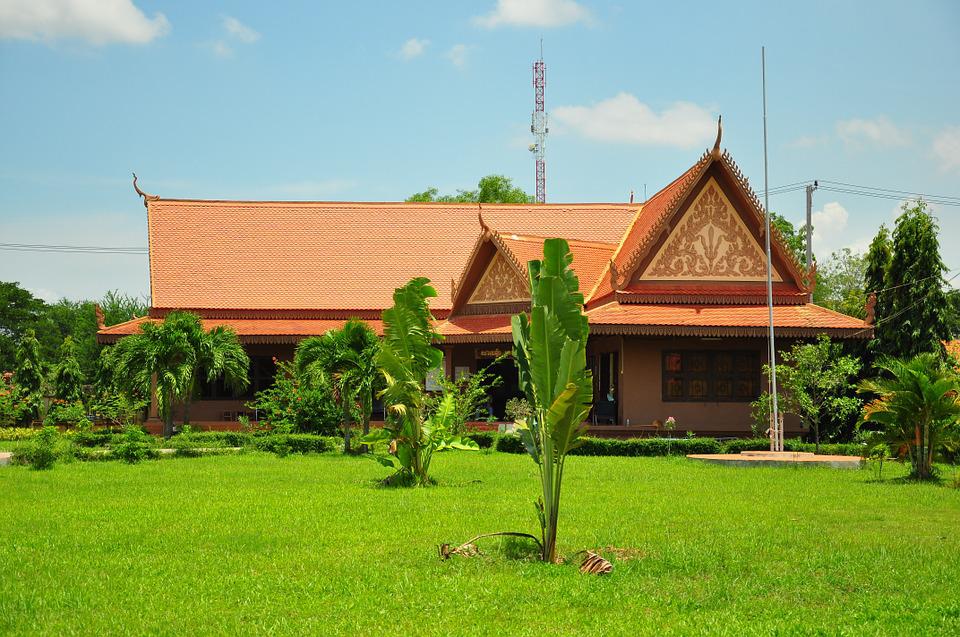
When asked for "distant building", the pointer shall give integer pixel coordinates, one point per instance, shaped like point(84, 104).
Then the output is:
point(675, 288)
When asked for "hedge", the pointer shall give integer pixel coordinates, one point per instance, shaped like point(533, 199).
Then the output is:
point(16, 434)
point(295, 443)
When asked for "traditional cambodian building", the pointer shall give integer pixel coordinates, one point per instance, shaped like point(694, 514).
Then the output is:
point(675, 288)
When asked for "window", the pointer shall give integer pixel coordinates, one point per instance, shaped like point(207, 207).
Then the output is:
point(702, 376)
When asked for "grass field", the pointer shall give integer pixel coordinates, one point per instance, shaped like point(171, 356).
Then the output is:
point(260, 544)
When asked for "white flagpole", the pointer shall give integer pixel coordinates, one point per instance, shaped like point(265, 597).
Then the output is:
point(776, 437)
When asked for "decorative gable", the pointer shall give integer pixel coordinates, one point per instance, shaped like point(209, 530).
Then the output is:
point(710, 243)
point(500, 283)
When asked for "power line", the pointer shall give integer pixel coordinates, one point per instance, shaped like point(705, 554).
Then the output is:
point(867, 191)
point(72, 249)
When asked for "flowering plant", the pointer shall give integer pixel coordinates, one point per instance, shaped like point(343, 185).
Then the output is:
point(670, 424)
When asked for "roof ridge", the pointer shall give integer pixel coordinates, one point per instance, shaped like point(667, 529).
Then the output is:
point(507, 235)
point(409, 204)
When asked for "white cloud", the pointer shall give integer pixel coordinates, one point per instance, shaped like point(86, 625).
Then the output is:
point(808, 141)
point(236, 32)
point(534, 13)
point(878, 131)
point(221, 49)
point(239, 30)
point(829, 224)
point(625, 119)
point(458, 55)
point(97, 22)
point(946, 148)
point(412, 48)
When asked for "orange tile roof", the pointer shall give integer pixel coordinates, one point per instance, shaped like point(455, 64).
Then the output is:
point(484, 328)
point(953, 348)
point(248, 330)
point(589, 257)
point(335, 255)
point(802, 319)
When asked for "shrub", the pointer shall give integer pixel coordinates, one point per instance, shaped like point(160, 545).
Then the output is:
point(17, 434)
point(41, 452)
point(518, 409)
point(70, 414)
point(134, 445)
point(290, 405)
point(509, 443)
point(82, 438)
point(282, 444)
point(484, 439)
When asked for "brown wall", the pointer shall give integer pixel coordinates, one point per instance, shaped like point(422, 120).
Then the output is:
point(641, 396)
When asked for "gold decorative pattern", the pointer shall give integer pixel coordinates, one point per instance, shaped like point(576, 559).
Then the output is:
point(711, 242)
point(500, 284)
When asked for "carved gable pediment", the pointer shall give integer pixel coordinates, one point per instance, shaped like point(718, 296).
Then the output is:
point(500, 283)
point(710, 243)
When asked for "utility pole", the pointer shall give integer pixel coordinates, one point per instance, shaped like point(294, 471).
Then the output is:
point(810, 189)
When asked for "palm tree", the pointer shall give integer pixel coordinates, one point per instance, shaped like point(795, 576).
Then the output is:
point(173, 354)
point(346, 359)
point(918, 404)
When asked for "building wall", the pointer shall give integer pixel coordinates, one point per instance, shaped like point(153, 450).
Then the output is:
point(641, 393)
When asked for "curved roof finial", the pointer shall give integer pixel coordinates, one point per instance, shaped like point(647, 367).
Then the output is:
point(716, 144)
point(146, 196)
point(483, 225)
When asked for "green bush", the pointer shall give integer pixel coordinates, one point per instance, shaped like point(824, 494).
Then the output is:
point(213, 438)
point(42, 451)
point(17, 434)
point(69, 414)
point(134, 445)
point(282, 444)
point(484, 439)
point(290, 405)
point(102, 438)
point(509, 443)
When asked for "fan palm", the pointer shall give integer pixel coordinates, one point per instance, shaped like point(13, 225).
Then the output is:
point(173, 354)
point(918, 404)
point(345, 359)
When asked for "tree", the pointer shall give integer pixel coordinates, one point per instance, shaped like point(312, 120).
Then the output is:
point(171, 356)
point(28, 366)
point(346, 360)
point(840, 283)
point(550, 352)
point(914, 316)
point(67, 376)
point(218, 354)
point(817, 381)
point(918, 404)
point(118, 307)
point(406, 356)
point(19, 311)
point(490, 189)
point(796, 240)
point(28, 374)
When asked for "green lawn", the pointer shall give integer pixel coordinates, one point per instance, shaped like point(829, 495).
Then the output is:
point(309, 545)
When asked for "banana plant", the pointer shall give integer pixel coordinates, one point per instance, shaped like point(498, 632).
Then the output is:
point(550, 353)
point(406, 356)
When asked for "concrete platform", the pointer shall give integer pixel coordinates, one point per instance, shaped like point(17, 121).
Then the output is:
point(779, 459)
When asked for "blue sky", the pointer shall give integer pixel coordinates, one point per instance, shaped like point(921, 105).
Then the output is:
point(376, 100)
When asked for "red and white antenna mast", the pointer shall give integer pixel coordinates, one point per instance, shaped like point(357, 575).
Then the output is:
point(538, 126)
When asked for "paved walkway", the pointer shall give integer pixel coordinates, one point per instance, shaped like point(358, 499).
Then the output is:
point(779, 458)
